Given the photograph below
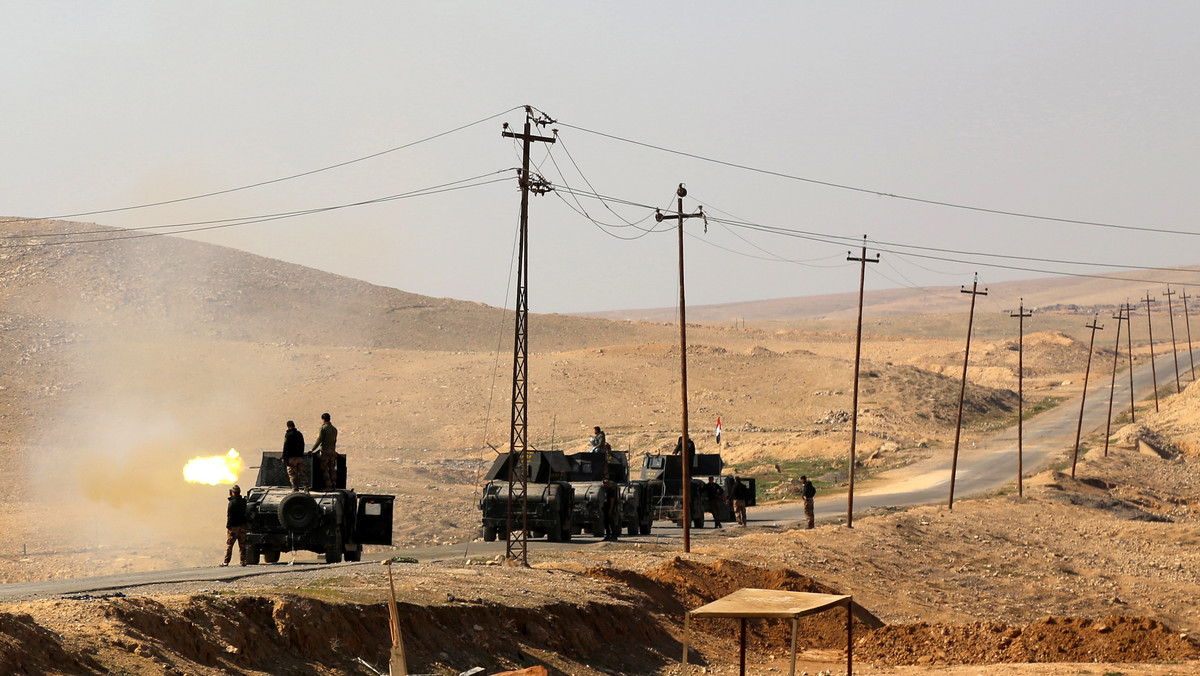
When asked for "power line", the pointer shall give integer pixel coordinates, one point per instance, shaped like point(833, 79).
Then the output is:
point(841, 240)
point(880, 193)
point(230, 223)
point(268, 182)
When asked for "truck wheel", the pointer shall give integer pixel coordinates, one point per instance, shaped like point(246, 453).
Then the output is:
point(554, 534)
point(299, 512)
point(271, 556)
point(252, 555)
point(489, 533)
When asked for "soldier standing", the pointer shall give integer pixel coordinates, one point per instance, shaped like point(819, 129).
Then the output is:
point(235, 525)
point(808, 491)
point(327, 442)
point(612, 526)
point(293, 457)
point(714, 495)
point(740, 495)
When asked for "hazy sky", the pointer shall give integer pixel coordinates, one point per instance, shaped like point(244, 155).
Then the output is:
point(1076, 110)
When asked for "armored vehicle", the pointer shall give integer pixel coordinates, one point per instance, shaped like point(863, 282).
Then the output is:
point(587, 471)
point(548, 504)
point(664, 474)
point(330, 520)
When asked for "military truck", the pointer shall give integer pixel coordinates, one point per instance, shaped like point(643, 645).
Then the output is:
point(586, 472)
point(330, 520)
point(550, 496)
point(664, 474)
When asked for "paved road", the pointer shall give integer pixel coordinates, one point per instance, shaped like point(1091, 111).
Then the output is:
point(993, 464)
point(990, 466)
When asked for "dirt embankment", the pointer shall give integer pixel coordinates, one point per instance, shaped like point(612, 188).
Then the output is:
point(636, 629)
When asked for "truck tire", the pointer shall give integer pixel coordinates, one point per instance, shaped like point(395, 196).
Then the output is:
point(489, 533)
point(555, 533)
point(299, 512)
point(271, 556)
point(252, 555)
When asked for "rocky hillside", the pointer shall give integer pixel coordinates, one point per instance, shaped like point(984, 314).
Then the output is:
point(178, 286)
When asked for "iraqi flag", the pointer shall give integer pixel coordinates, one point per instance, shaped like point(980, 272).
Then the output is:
point(718, 430)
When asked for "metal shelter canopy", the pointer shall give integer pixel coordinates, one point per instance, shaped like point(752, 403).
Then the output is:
point(746, 604)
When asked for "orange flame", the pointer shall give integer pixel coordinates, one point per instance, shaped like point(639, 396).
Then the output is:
point(219, 469)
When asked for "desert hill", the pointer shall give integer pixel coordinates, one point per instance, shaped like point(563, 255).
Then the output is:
point(1077, 294)
point(178, 286)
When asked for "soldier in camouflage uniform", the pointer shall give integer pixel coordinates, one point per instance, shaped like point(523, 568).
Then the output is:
point(235, 525)
point(327, 443)
point(293, 457)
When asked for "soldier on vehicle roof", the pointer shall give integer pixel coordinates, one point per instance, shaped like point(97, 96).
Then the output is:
point(293, 457)
point(679, 446)
point(327, 443)
point(600, 440)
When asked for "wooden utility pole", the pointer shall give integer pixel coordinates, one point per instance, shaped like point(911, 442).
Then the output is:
point(518, 467)
point(685, 453)
point(1188, 322)
point(1174, 349)
point(1021, 315)
point(1129, 352)
point(1150, 326)
point(862, 278)
point(1083, 397)
point(1112, 387)
point(963, 392)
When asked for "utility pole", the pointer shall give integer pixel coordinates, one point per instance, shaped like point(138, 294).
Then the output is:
point(1150, 325)
point(963, 392)
point(1129, 351)
point(1174, 350)
point(685, 453)
point(862, 278)
point(519, 431)
point(1183, 296)
point(1112, 387)
point(1083, 397)
point(1021, 315)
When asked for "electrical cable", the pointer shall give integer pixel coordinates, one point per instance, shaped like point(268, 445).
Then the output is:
point(842, 240)
point(834, 239)
point(879, 193)
point(229, 223)
point(563, 145)
point(268, 182)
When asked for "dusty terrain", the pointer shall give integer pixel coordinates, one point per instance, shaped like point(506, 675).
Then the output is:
point(122, 361)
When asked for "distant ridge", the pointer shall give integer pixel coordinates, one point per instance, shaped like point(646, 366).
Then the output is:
point(1080, 291)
